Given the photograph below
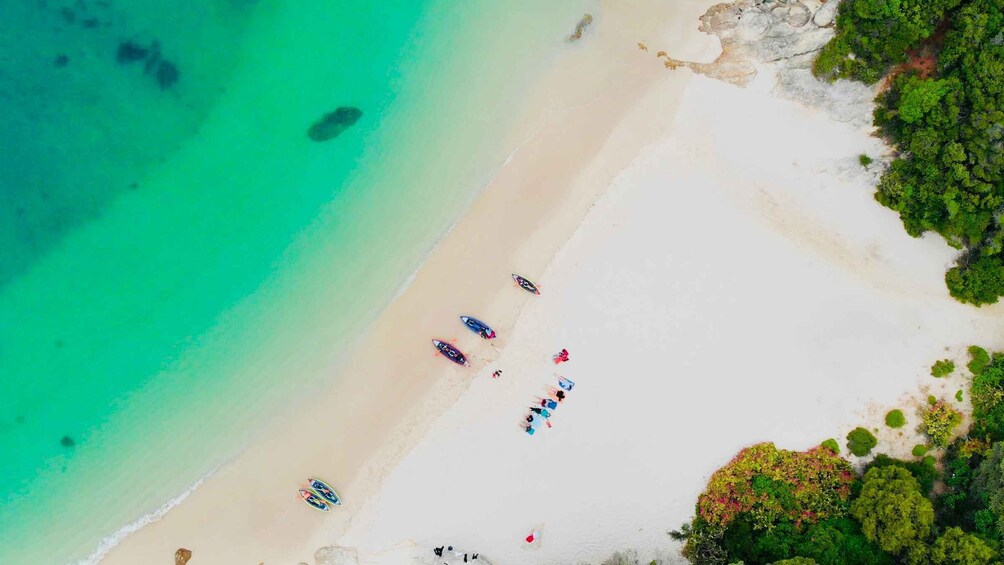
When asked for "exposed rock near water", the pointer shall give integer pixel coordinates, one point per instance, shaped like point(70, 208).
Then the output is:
point(182, 556)
point(581, 27)
point(332, 124)
point(781, 37)
point(335, 555)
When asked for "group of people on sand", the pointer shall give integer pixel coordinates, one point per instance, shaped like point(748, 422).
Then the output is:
point(456, 554)
point(540, 411)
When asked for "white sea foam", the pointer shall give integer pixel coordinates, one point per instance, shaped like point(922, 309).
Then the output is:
point(108, 542)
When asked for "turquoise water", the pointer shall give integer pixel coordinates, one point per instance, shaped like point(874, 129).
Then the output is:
point(178, 262)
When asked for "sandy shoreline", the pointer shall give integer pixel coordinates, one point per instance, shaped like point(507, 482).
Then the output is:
point(522, 218)
point(711, 256)
point(723, 292)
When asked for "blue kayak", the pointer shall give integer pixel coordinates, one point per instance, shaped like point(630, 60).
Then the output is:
point(478, 327)
point(311, 498)
point(326, 492)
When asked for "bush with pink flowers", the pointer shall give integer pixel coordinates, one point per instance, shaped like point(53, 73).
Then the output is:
point(771, 485)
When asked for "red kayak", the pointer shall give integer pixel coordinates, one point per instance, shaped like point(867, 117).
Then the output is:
point(451, 353)
point(525, 284)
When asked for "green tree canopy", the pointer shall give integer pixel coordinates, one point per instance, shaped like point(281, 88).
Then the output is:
point(987, 394)
point(955, 547)
point(948, 176)
point(891, 509)
point(988, 486)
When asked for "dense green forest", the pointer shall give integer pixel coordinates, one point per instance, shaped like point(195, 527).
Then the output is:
point(770, 505)
point(943, 109)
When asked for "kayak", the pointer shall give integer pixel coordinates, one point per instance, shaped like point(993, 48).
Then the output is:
point(525, 284)
point(450, 352)
point(478, 327)
point(312, 499)
point(326, 492)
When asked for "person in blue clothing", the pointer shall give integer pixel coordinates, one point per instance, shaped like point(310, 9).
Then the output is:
point(548, 403)
point(565, 384)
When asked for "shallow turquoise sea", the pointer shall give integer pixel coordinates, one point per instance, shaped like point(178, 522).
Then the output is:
point(178, 259)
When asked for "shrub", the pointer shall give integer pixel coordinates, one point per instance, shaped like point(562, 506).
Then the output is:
point(865, 160)
point(978, 359)
point(772, 485)
point(942, 368)
point(981, 282)
point(958, 395)
point(939, 422)
point(895, 419)
point(892, 511)
point(986, 392)
point(919, 450)
point(832, 445)
point(932, 400)
point(860, 441)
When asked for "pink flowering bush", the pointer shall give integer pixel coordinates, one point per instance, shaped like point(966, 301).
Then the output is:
point(772, 485)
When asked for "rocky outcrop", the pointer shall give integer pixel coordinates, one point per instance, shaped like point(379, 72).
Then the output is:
point(581, 27)
point(182, 556)
point(781, 37)
point(333, 124)
point(335, 555)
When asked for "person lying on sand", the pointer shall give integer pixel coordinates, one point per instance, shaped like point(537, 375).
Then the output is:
point(542, 411)
point(561, 357)
point(566, 384)
point(547, 403)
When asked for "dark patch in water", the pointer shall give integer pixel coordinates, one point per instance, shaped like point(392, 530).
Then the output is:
point(154, 57)
point(90, 23)
point(129, 52)
point(19, 419)
point(167, 74)
point(68, 15)
point(67, 441)
point(59, 344)
point(332, 124)
point(61, 61)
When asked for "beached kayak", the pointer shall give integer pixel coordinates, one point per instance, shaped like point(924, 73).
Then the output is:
point(525, 284)
point(478, 327)
point(326, 492)
point(450, 352)
point(311, 498)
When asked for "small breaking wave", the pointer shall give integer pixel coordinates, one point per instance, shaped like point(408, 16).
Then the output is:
point(109, 542)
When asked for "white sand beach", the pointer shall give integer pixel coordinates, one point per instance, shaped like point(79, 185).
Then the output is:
point(712, 258)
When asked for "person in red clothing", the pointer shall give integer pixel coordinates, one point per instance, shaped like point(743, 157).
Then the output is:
point(561, 357)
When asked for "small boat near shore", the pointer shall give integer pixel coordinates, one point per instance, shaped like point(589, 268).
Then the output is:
point(324, 490)
point(478, 327)
point(525, 284)
point(315, 501)
point(450, 352)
